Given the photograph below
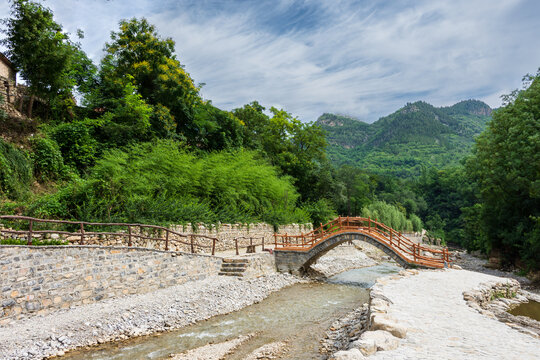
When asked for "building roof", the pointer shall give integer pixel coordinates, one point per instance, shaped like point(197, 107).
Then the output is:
point(6, 61)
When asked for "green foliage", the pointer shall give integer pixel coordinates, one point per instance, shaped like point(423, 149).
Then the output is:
point(320, 211)
point(137, 51)
point(297, 148)
point(127, 120)
point(44, 55)
point(160, 182)
point(390, 215)
point(35, 242)
point(47, 159)
point(15, 171)
point(77, 146)
point(506, 167)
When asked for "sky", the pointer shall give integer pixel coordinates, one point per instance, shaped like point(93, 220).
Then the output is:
point(364, 59)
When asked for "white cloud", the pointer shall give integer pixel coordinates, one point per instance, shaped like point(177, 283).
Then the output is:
point(365, 60)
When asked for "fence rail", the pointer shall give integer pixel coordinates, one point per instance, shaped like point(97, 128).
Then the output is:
point(403, 247)
point(193, 241)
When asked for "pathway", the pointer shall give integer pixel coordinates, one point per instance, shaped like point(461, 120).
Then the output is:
point(442, 326)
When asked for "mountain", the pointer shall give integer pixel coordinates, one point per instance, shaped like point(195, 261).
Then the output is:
point(415, 136)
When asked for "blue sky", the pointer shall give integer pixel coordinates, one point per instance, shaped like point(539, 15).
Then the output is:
point(365, 59)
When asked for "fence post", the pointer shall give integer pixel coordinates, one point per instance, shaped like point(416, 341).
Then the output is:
point(414, 252)
point(166, 239)
point(129, 237)
point(30, 232)
point(275, 240)
point(369, 224)
point(213, 246)
point(390, 237)
point(192, 246)
point(82, 234)
point(263, 243)
point(236, 245)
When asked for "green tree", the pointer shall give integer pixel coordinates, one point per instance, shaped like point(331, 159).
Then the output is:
point(506, 166)
point(51, 64)
point(138, 51)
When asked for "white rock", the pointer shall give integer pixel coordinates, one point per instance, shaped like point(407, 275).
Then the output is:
point(353, 354)
point(383, 339)
point(383, 322)
point(366, 346)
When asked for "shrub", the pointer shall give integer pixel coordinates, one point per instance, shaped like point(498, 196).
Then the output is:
point(78, 148)
point(47, 159)
point(15, 171)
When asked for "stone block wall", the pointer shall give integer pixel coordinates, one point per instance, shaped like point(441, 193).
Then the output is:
point(43, 279)
point(226, 233)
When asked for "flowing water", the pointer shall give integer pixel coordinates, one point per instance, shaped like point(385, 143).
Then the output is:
point(530, 309)
point(299, 314)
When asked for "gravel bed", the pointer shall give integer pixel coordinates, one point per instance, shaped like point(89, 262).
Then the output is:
point(122, 318)
point(345, 257)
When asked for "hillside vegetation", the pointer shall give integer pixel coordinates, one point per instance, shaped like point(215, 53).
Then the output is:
point(416, 136)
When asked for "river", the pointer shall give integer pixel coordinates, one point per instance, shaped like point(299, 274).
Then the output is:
point(299, 314)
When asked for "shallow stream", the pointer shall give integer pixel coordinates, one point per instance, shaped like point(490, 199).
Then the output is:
point(299, 314)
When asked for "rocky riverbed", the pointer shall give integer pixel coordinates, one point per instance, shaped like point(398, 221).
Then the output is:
point(122, 318)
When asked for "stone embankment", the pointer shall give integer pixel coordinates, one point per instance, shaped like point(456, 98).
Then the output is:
point(427, 314)
point(135, 315)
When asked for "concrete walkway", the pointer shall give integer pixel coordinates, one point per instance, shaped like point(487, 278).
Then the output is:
point(442, 326)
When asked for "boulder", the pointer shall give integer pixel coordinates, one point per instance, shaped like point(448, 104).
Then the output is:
point(383, 322)
point(383, 339)
point(366, 346)
point(353, 354)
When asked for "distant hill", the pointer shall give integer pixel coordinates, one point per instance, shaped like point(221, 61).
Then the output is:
point(414, 136)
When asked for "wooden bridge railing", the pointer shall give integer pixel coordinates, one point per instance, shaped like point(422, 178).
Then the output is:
point(252, 243)
point(193, 241)
point(408, 250)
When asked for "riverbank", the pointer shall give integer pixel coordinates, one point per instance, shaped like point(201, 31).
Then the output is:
point(428, 317)
point(131, 316)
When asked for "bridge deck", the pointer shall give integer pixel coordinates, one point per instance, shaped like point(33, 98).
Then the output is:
point(401, 246)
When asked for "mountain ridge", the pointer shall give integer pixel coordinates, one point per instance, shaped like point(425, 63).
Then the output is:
point(416, 135)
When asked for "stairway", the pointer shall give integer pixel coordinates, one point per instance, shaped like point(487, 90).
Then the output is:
point(233, 267)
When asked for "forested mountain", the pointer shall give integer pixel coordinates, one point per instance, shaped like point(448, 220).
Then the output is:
point(401, 143)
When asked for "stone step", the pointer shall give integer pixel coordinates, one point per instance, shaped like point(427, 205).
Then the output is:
point(230, 274)
point(234, 265)
point(235, 261)
point(231, 271)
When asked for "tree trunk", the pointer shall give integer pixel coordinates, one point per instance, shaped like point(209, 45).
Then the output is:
point(30, 106)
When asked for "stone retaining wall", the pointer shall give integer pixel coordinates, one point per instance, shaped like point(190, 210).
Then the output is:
point(42, 279)
point(226, 233)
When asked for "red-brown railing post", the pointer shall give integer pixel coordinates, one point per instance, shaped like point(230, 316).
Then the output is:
point(236, 245)
point(129, 236)
point(192, 245)
point(82, 233)
point(166, 239)
point(30, 232)
point(250, 241)
point(263, 243)
point(390, 237)
point(275, 240)
point(369, 224)
point(414, 252)
point(213, 246)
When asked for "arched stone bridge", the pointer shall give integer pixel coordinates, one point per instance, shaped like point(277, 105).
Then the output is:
point(296, 253)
